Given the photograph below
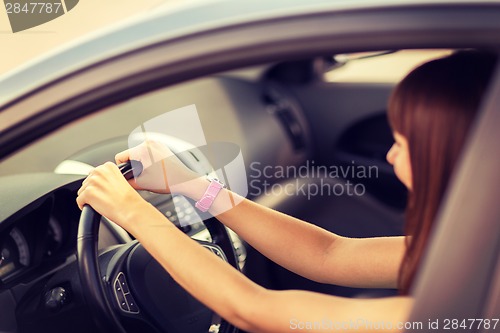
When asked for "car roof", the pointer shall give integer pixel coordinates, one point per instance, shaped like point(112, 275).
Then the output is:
point(169, 22)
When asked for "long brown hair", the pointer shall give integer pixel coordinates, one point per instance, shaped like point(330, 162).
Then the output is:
point(433, 108)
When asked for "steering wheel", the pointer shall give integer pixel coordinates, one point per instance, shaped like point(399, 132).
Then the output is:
point(128, 291)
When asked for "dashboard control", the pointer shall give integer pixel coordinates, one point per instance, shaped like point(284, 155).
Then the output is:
point(55, 299)
point(279, 105)
point(123, 296)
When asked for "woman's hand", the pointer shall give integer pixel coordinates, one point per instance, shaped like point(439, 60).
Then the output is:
point(163, 171)
point(107, 191)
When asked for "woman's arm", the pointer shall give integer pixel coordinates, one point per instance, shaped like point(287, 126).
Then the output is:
point(301, 247)
point(304, 248)
point(244, 303)
point(218, 285)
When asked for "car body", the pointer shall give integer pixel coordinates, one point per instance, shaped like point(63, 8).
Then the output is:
point(254, 70)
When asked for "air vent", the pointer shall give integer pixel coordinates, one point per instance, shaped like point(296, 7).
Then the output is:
point(282, 109)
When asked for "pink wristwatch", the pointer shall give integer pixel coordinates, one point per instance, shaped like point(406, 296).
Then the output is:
point(209, 196)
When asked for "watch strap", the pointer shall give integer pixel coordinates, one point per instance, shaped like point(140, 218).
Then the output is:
point(209, 196)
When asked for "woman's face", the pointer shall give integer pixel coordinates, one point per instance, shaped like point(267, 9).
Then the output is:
point(399, 157)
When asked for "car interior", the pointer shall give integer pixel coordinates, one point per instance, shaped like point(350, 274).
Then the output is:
point(325, 114)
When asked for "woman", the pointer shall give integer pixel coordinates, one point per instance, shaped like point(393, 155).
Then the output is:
point(430, 112)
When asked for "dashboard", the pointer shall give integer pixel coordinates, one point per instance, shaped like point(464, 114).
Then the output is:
point(41, 234)
point(38, 237)
point(39, 221)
